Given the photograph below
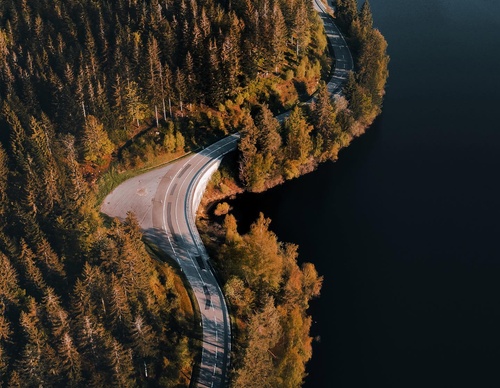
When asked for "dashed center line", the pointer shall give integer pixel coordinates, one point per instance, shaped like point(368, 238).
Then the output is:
point(186, 167)
point(173, 189)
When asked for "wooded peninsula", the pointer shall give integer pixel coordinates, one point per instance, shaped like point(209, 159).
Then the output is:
point(94, 91)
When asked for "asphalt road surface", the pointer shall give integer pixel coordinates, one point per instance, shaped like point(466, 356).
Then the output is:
point(343, 58)
point(165, 201)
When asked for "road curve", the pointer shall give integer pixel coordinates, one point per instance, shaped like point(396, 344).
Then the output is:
point(165, 201)
point(343, 57)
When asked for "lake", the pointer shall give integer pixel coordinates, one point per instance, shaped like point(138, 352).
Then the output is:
point(405, 226)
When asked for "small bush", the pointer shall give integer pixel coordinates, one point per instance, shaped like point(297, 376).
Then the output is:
point(222, 209)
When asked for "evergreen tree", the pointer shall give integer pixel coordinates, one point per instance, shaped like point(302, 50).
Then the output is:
point(10, 290)
point(121, 365)
point(31, 273)
point(231, 56)
point(279, 37)
point(119, 307)
point(70, 365)
point(215, 90)
point(269, 129)
point(365, 17)
point(372, 63)
point(143, 337)
point(248, 152)
point(301, 28)
point(298, 142)
point(346, 12)
point(4, 173)
point(325, 124)
point(38, 364)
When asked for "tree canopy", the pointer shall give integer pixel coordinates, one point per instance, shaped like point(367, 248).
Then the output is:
point(82, 82)
point(315, 134)
point(269, 294)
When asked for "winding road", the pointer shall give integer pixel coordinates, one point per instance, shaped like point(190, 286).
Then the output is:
point(165, 201)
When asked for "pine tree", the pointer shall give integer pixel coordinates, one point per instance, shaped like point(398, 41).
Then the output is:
point(31, 273)
point(81, 301)
point(122, 366)
point(298, 142)
point(52, 264)
point(38, 364)
point(10, 290)
point(373, 61)
point(247, 147)
point(346, 12)
point(119, 100)
point(263, 254)
point(167, 90)
point(5, 329)
point(94, 344)
point(153, 83)
point(4, 173)
point(301, 28)
point(57, 318)
point(180, 84)
point(46, 180)
point(325, 124)
point(191, 78)
point(279, 37)
point(231, 56)
point(144, 338)
point(269, 129)
point(70, 365)
point(17, 134)
point(365, 17)
point(250, 50)
point(119, 307)
point(215, 90)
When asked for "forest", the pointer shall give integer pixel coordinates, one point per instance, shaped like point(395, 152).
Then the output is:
point(268, 291)
point(88, 87)
point(271, 153)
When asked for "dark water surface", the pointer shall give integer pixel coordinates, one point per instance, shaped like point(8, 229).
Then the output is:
point(405, 226)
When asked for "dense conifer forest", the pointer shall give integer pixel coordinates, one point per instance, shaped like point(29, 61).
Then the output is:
point(87, 86)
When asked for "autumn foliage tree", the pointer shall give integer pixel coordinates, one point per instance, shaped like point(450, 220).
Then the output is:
point(269, 293)
point(95, 143)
